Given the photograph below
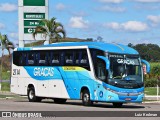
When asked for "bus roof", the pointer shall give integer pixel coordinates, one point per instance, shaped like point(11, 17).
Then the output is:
point(107, 47)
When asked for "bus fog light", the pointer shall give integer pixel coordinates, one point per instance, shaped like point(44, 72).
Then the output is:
point(109, 97)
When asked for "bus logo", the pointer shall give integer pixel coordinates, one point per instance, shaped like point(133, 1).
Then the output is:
point(101, 94)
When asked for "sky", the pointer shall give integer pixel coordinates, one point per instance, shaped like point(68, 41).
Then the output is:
point(119, 21)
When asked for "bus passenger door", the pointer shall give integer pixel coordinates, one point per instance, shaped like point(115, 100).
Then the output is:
point(101, 74)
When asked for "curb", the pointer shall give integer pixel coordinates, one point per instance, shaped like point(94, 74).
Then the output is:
point(151, 102)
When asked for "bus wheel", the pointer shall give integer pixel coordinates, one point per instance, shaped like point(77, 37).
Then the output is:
point(117, 105)
point(32, 97)
point(60, 101)
point(86, 98)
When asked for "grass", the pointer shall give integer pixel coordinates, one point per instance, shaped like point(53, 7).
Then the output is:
point(6, 75)
point(4, 96)
point(151, 91)
point(5, 86)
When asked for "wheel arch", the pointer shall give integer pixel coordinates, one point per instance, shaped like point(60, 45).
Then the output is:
point(30, 86)
point(85, 88)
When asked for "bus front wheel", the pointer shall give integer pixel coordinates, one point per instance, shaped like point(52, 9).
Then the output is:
point(86, 98)
point(31, 95)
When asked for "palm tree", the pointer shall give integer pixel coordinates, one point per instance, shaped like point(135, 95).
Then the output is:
point(6, 44)
point(51, 29)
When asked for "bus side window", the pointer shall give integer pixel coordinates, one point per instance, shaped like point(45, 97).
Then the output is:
point(84, 58)
point(84, 62)
point(15, 56)
point(77, 57)
point(42, 58)
point(55, 58)
point(69, 58)
point(22, 59)
point(31, 59)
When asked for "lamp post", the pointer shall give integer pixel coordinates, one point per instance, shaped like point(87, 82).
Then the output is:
point(1, 66)
point(158, 81)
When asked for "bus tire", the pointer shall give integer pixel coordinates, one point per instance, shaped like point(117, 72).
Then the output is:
point(117, 105)
point(59, 100)
point(86, 98)
point(32, 96)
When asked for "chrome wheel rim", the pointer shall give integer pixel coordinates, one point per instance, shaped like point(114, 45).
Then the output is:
point(31, 94)
point(86, 97)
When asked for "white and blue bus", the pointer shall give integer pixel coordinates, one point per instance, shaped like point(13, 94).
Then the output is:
point(90, 71)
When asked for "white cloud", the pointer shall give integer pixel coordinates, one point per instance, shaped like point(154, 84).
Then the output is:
point(112, 9)
point(113, 25)
point(80, 13)
point(135, 26)
point(154, 19)
point(111, 1)
point(131, 26)
point(13, 35)
point(8, 7)
point(2, 26)
point(60, 6)
point(147, 1)
point(78, 22)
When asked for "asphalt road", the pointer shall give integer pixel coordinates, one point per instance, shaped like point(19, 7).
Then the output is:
point(76, 107)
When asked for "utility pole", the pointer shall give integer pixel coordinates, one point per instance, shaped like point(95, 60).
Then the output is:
point(158, 81)
point(1, 66)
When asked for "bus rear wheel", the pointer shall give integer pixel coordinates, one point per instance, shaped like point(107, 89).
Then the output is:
point(60, 101)
point(31, 95)
point(86, 98)
point(117, 105)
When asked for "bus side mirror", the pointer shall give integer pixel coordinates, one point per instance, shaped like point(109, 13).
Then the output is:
point(106, 61)
point(146, 66)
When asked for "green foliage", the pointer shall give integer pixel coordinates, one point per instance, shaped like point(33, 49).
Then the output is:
point(37, 43)
point(149, 52)
point(151, 78)
point(6, 43)
point(152, 82)
point(5, 86)
point(155, 70)
point(6, 75)
point(50, 28)
point(151, 90)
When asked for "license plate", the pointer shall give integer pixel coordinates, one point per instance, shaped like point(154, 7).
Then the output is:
point(128, 99)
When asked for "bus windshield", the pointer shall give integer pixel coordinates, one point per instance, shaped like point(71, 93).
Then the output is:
point(125, 68)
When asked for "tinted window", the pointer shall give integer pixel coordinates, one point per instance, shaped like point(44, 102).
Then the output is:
point(42, 58)
point(55, 58)
point(31, 58)
point(69, 58)
point(52, 58)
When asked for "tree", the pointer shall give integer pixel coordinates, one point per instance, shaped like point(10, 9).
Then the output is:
point(130, 45)
point(51, 29)
point(6, 44)
point(99, 38)
point(149, 52)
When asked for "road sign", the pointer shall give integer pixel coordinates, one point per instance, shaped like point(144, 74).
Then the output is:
point(34, 15)
point(30, 13)
point(29, 30)
point(34, 2)
point(32, 23)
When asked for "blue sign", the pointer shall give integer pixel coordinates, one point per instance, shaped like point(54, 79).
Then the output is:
point(101, 94)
